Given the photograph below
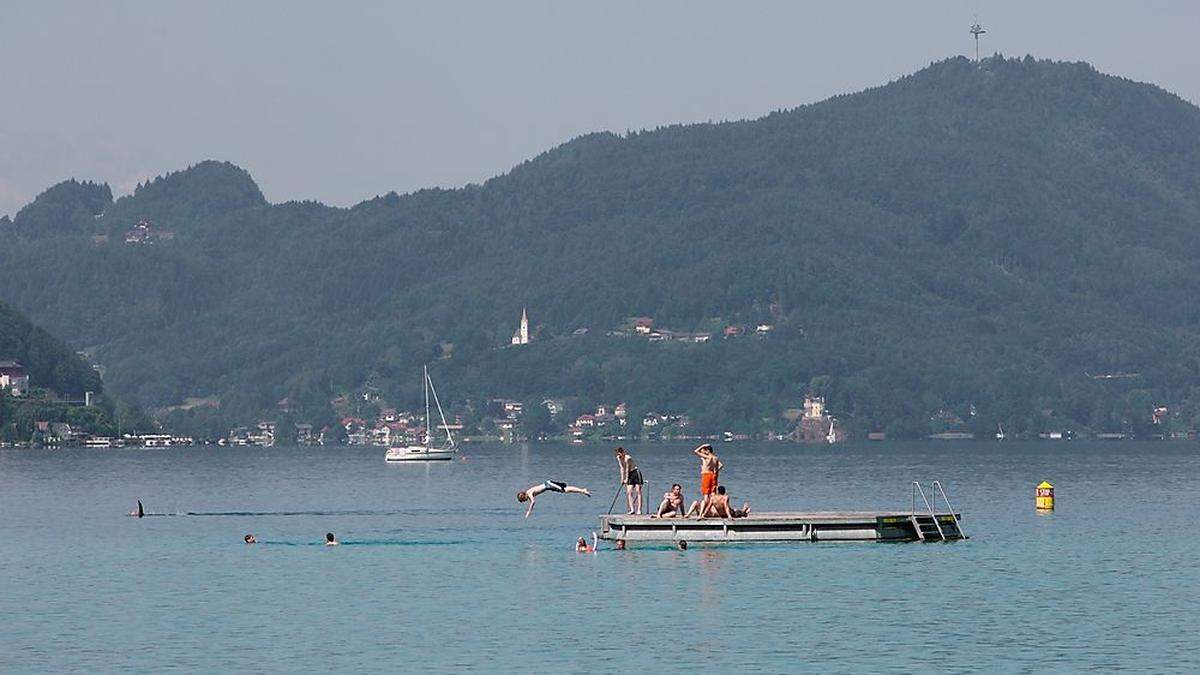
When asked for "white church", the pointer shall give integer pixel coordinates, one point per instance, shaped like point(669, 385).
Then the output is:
point(521, 337)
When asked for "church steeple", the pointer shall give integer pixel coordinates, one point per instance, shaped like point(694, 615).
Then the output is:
point(521, 337)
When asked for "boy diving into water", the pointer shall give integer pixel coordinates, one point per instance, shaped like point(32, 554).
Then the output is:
point(530, 494)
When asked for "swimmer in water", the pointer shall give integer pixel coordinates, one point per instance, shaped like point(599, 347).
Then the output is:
point(139, 512)
point(682, 545)
point(329, 539)
point(530, 494)
point(581, 546)
point(249, 539)
point(620, 544)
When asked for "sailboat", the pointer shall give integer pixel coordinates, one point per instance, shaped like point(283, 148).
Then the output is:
point(426, 453)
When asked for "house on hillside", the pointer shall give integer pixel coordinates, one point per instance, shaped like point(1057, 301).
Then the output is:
point(816, 424)
point(554, 406)
point(304, 434)
point(355, 428)
point(146, 233)
point(62, 433)
point(14, 378)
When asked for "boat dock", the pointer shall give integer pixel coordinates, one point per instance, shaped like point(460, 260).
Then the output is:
point(808, 526)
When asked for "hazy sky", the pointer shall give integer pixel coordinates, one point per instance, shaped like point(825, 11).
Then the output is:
point(340, 101)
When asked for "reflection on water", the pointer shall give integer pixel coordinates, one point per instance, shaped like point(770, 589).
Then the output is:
point(438, 567)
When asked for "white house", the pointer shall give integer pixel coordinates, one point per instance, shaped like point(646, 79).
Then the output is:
point(13, 377)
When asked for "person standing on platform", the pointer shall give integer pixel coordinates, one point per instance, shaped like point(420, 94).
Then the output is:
point(631, 478)
point(710, 472)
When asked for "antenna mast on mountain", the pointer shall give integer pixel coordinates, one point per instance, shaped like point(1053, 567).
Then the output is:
point(977, 30)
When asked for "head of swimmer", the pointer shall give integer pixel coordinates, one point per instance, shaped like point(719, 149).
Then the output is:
point(620, 544)
point(329, 538)
point(619, 452)
point(676, 488)
point(522, 497)
point(249, 539)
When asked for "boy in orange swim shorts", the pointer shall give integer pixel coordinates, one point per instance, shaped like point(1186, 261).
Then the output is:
point(710, 471)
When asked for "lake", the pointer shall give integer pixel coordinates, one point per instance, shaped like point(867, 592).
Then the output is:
point(440, 572)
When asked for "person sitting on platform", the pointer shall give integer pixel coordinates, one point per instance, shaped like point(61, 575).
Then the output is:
point(722, 509)
point(719, 507)
point(672, 503)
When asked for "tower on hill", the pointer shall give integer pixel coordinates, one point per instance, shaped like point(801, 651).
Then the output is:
point(521, 337)
point(976, 31)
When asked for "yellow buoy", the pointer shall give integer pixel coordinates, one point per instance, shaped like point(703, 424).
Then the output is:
point(1045, 496)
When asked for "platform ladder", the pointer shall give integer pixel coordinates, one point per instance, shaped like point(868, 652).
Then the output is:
point(926, 524)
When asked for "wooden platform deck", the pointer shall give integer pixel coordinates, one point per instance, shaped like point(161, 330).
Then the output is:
point(807, 526)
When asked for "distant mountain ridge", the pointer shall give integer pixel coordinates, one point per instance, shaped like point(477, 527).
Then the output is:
point(970, 242)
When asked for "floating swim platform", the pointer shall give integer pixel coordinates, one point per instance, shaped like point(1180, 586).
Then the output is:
point(799, 526)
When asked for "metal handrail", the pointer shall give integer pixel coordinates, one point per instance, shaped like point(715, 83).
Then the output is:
point(917, 488)
point(961, 532)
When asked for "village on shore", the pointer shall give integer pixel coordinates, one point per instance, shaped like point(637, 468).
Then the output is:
point(365, 419)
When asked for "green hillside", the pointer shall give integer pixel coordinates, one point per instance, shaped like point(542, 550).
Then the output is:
point(58, 383)
point(971, 243)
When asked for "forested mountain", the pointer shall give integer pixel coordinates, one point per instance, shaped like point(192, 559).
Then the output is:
point(980, 243)
point(49, 363)
point(58, 380)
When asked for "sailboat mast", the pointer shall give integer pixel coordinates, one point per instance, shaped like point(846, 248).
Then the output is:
point(428, 427)
point(441, 413)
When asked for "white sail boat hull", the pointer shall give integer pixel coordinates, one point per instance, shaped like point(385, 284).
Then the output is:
point(419, 453)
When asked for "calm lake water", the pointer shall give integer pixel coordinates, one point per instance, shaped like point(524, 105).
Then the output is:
point(440, 572)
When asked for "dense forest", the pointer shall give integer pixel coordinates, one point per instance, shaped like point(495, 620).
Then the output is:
point(1013, 242)
point(58, 383)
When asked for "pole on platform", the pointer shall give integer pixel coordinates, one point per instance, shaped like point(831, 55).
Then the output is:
point(614, 502)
